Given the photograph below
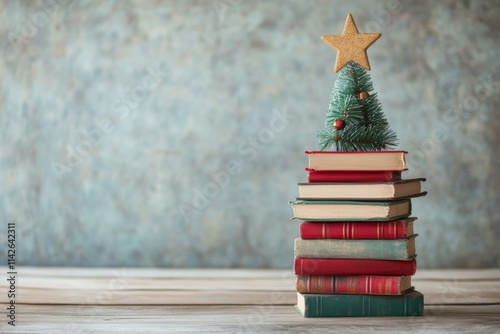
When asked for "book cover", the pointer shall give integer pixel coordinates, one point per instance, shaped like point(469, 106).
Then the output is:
point(341, 305)
point(361, 190)
point(357, 161)
point(350, 210)
point(314, 176)
point(361, 284)
point(337, 267)
point(396, 229)
point(401, 249)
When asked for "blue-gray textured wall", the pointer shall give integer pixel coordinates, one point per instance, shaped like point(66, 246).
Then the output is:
point(171, 133)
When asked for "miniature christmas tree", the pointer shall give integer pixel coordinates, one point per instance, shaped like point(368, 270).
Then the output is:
point(354, 120)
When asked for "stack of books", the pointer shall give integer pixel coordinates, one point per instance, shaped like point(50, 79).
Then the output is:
point(356, 251)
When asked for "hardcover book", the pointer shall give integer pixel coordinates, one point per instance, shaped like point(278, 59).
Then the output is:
point(361, 191)
point(397, 229)
point(403, 249)
point(341, 305)
point(338, 267)
point(357, 161)
point(363, 284)
point(350, 210)
point(314, 176)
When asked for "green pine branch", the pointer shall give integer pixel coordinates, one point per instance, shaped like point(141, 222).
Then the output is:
point(366, 128)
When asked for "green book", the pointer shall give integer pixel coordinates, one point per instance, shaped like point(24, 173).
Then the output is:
point(401, 249)
point(342, 305)
point(350, 210)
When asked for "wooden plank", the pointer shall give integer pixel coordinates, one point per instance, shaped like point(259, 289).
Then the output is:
point(155, 297)
point(435, 294)
point(106, 283)
point(152, 273)
point(459, 292)
point(265, 284)
point(457, 274)
point(230, 319)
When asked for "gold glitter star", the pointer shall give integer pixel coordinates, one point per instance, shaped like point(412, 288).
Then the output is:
point(351, 45)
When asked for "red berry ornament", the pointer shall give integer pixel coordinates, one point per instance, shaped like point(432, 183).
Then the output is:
point(339, 124)
point(363, 95)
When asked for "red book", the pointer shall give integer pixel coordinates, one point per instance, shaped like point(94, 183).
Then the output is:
point(337, 267)
point(397, 229)
point(364, 284)
point(314, 176)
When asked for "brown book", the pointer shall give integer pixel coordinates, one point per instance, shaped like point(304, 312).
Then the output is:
point(357, 284)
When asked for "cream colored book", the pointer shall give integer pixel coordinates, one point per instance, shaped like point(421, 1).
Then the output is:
point(350, 210)
point(360, 191)
point(357, 161)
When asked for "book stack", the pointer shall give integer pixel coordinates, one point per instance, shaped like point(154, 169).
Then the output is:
point(356, 251)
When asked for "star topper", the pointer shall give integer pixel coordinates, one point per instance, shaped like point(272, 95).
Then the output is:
point(351, 45)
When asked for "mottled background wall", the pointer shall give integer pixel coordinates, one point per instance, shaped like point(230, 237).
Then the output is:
point(117, 117)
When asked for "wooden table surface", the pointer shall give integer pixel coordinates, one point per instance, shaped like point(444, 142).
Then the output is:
point(81, 300)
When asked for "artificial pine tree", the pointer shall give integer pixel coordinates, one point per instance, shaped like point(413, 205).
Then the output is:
point(354, 120)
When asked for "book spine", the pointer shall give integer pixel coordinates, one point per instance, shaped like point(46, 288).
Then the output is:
point(354, 267)
point(338, 305)
point(334, 176)
point(355, 230)
point(354, 249)
point(364, 284)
